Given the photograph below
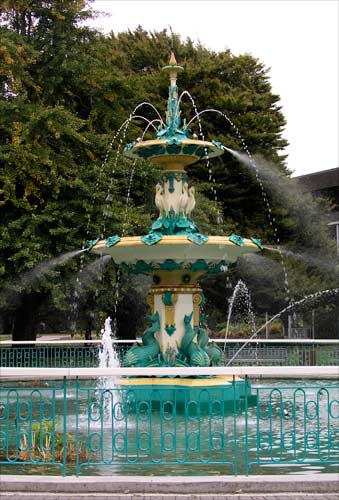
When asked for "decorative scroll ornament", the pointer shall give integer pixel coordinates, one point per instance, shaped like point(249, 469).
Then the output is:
point(197, 299)
point(169, 299)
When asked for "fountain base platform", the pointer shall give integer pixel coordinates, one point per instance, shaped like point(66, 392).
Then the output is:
point(194, 395)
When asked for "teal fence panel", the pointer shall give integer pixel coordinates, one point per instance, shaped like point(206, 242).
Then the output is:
point(32, 430)
point(295, 426)
point(76, 428)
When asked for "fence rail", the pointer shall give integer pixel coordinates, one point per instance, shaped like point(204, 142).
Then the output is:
point(73, 426)
point(310, 372)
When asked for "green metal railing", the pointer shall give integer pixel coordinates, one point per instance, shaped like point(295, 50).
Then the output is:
point(86, 354)
point(300, 354)
point(54, 354)
point(50, 356)
point(77, 427)
point(82, 354)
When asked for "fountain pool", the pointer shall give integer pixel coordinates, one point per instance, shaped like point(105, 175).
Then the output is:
point(293, 427)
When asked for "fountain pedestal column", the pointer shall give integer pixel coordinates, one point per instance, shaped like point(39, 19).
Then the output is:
point(174, 295)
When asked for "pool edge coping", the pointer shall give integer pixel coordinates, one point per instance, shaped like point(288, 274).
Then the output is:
point(303, 483)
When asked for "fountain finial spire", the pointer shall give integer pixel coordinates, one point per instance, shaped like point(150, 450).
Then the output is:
point(173, 112)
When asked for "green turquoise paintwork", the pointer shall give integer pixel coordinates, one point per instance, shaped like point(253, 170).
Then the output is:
point(197, 238)
point(195, 354)
point(141, 267)
point(170, 329)
point(237, 240)
point(257, 242)
point(112, 240)
point(130, 145)
point(151, 238)
point(142, 355)
point(92, 243)
point(170, 177)
point(172, 132)
point(211, 348)
point(197, 428)
point(174, 224)
point(168, 298)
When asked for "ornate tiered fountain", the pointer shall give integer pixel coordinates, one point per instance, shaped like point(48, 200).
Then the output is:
point(174, 252)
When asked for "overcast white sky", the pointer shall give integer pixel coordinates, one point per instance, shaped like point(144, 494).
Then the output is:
point(296, 39)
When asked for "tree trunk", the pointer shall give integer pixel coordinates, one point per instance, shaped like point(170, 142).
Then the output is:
point(25, 320)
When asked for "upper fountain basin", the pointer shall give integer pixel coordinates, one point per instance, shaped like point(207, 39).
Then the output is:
point(174, 153)
point(175, 248)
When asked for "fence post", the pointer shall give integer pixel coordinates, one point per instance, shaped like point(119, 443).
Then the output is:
point(246, 425)
point(235, 446)
point(77, 427)
point(64, 458)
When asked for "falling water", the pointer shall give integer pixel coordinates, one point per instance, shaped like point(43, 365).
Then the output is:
point(263, 192)
point(123, 127)
point(313, 296)
point(121, 132)
point(206, 157)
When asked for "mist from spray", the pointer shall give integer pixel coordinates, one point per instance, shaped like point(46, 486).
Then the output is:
point(26, 280)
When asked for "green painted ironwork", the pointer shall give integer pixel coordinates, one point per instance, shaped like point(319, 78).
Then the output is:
point(49, 356)
point(74, 428)
point(257, 242)
point(252, 355)
point(91, 244)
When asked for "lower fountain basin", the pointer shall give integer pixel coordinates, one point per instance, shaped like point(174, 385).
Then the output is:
point(195, 395)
